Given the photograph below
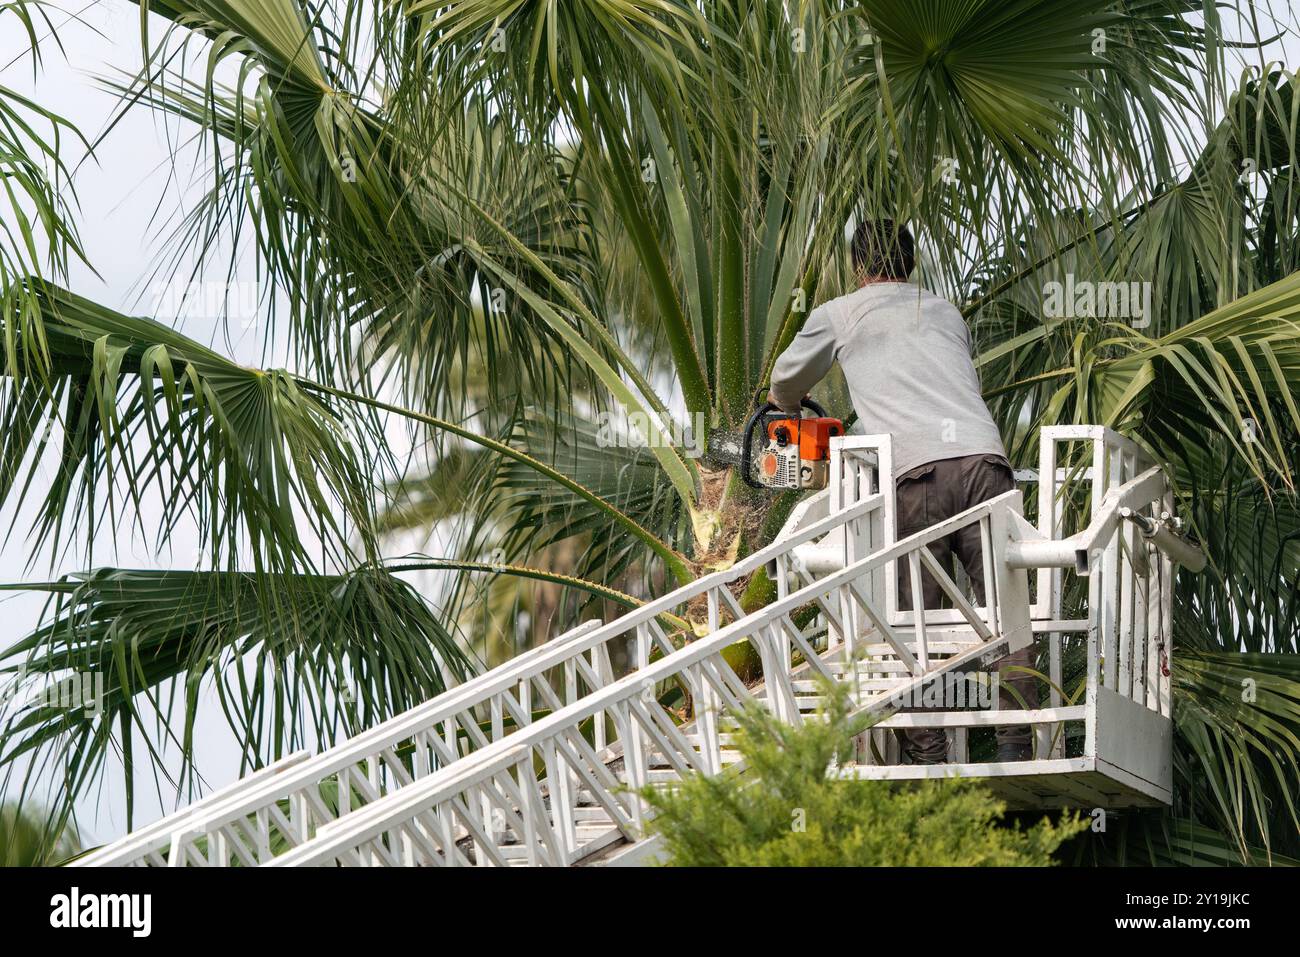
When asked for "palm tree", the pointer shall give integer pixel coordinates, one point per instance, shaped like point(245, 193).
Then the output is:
point(26, 842)
point(549, 238)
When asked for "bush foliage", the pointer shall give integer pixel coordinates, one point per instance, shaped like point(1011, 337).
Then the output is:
point(785, 811)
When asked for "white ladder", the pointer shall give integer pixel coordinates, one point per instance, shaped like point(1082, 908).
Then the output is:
point(471, 778)
point(283, 805)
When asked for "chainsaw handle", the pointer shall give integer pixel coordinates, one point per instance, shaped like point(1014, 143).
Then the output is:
point(747, 438)
point(747, 443)
point(806, 402)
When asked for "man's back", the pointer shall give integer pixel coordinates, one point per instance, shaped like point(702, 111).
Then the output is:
point(906, 357)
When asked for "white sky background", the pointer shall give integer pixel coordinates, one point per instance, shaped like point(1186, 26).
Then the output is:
point(143, 171)
point(122, 225)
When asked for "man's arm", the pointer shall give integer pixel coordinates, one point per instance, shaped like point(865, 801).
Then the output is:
point(805, 361)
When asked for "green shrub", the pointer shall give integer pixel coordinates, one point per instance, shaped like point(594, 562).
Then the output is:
point(784, 811)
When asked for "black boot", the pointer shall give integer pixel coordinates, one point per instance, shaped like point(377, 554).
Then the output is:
point(926, 746)
point(1013, 751)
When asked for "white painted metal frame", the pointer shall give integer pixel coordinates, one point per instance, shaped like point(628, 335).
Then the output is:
point(864, 466)
point(437, 821)
point(456, 780)
point(1130, 595)
point(255, 818)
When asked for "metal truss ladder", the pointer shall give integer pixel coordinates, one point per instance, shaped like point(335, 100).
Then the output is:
point(475, 777)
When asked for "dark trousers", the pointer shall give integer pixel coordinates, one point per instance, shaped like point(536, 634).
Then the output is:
point(929, 494)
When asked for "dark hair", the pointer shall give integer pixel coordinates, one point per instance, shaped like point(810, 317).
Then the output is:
point(881, 247)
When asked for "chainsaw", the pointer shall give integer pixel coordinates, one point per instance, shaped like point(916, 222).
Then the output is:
point(795, 452)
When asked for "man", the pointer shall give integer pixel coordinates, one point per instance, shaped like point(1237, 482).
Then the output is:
point(906, 357)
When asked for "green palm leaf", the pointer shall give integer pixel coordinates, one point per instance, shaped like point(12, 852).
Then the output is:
point(1238, 733)
point(346, 652)
point(132, 408)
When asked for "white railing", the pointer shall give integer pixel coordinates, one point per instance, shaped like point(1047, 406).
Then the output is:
point(456, 780)
point(330, 782)
point(488, 810)
point(259, 817)
point(1092, 486)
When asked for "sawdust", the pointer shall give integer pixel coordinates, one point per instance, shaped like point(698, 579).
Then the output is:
point(740, 513)
point(713, 485)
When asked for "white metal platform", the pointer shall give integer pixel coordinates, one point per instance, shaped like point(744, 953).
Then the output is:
point(474, 777)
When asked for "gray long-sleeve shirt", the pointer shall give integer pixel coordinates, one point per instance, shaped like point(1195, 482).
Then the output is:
point(906, 356)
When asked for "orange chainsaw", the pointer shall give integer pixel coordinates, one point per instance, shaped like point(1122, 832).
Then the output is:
point(795, 452)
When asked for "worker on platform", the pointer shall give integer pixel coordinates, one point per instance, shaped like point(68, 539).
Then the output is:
point(906, 356)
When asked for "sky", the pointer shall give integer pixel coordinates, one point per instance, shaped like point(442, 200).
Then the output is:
point(123, 226)
point(143, 170)
point(128, 193)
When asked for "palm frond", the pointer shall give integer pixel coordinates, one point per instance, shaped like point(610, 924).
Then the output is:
point(38, 234)
point(1238, 745)
point(344, 653)
point(132, 408)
